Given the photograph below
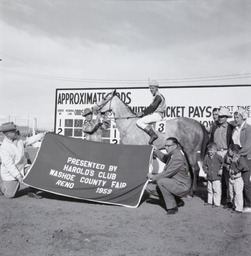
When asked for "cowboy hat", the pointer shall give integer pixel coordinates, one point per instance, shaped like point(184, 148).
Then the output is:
point(87, 111)
point(10, 126)
point(224, 112)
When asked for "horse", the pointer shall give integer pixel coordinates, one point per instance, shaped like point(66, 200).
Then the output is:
point(191, 134)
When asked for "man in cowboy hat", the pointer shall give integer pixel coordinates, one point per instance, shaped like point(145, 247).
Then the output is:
point(221, 134)
point(12, 156)
point(153, 113)
point(242, 137)
point(93, 128)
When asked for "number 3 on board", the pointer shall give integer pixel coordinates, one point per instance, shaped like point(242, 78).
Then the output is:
point(161, 126)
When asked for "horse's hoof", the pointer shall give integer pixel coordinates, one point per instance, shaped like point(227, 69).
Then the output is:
point(181, 203)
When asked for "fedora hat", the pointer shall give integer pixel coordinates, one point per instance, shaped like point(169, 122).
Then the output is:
point(87, 111)
point(224, 112)
point(10, 126)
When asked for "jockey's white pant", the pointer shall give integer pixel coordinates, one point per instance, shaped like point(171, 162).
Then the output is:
point(144, 121)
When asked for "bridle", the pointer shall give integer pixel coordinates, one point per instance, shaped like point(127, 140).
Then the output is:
point(110, 108)
point(104, 103)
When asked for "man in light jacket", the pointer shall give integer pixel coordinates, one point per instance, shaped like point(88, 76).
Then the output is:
point(242, 137)
point(13, 161)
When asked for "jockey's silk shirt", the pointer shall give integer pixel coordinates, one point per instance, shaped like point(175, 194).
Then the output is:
point(162, 106)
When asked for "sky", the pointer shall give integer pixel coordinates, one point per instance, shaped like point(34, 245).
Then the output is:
point(49, 44)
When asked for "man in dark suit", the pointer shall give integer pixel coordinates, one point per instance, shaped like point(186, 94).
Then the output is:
point(174, 182)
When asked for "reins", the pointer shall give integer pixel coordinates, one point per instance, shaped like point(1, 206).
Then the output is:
point(109, 109)
point(128, 117)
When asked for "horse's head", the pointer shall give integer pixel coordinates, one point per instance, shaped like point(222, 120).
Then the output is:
point(103, 105)
point(112, 103)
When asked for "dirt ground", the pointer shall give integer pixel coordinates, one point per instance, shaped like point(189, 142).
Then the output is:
point(58, 225)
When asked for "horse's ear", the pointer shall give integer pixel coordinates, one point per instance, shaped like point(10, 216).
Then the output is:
point(114, 92)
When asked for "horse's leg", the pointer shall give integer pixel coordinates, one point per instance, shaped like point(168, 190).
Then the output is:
point(194, 170)
point(195, 173)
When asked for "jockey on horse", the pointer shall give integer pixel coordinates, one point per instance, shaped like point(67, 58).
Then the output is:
point(153, 113)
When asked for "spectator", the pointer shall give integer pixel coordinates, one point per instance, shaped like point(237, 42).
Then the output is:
point(235, 164)
point(215, 115)
point(153, 113)
point(93, 128)
point(242, 137)
point(12, 153)
point(221, 135)
point(174, 182)
point(212, 166)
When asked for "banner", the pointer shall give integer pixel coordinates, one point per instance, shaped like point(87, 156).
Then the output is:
point(94, 171)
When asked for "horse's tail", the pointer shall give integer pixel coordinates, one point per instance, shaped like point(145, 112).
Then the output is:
point(205, 141)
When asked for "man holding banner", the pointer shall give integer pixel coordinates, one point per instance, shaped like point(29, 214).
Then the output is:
point(91, 128)
point(13, 167)
point(174, 182)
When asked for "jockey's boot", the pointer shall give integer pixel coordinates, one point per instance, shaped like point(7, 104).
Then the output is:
point(152, 134)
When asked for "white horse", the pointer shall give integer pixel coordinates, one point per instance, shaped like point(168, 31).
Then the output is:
point(190, 133)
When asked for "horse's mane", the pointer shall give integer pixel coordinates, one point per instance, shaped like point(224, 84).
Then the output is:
point(128, 108)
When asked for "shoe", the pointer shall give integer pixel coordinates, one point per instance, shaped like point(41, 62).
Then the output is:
point(228, 206)
point(247, 210)
point(207, 204)
point(156, 201)
point(34, 195)
point(180, 203)
point(152, 201)
point(191, 194)
point(215, 206)
point(236, 211)
point(172, 211)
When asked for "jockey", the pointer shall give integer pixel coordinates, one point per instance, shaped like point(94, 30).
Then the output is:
point(153, 113)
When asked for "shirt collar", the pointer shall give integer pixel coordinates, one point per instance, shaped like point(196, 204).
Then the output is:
point(9, 141)
point(243, 125)
point(223, 125)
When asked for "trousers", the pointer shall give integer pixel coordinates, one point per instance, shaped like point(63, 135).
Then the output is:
point(236, 193)
point(168, 189)
point(214, 192)
point(144, 121)
point(224, 179)
point(247, 185)
point(9, 188)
